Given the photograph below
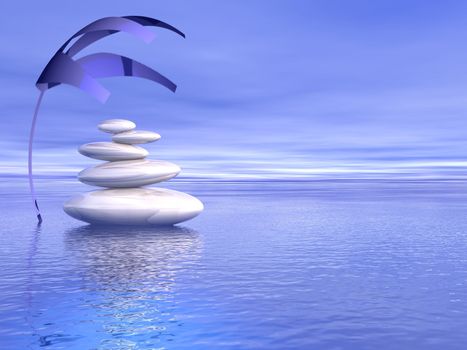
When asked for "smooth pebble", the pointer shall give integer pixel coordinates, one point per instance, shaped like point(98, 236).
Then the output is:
point(136, 137)
point(114, 126)
point(112, 151)
point(130, 173)
point(135, 206)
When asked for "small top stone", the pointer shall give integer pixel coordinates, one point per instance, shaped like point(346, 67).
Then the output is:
point(115, 126)
point(134, 137)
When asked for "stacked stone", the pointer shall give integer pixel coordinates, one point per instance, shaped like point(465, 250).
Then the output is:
point(125, 201)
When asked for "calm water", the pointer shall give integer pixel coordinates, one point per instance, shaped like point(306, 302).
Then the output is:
point(267, 266)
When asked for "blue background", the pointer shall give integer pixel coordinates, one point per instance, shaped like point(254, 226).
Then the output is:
point(267, 89)
point(292, 90)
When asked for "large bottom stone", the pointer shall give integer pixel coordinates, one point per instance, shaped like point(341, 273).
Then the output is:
point(133, 206)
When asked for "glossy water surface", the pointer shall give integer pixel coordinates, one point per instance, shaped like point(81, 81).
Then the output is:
point(306, 265)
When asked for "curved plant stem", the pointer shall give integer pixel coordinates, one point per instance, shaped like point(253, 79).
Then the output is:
point(31, 138)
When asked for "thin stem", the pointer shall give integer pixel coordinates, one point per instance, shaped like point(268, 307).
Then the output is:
point(31, 138)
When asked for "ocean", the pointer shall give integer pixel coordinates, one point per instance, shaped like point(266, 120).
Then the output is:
point(267, 265)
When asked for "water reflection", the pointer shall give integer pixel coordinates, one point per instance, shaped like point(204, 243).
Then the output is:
point(129, 275)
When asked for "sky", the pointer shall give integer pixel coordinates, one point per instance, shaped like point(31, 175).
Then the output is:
point(285, 89)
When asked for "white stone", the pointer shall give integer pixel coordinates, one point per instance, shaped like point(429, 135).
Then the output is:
point(129, 173)
point(112, 151)
point(136, 206)
point(113, 126)
point(135, 137)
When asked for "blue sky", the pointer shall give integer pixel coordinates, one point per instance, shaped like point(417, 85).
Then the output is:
point(266, 89)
